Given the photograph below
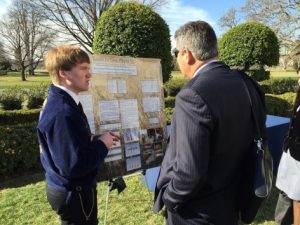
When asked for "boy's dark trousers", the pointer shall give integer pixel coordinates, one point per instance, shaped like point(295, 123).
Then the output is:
point(77, 207)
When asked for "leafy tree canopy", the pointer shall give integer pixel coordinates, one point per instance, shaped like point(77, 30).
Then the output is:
point(135, 30)
point(249, 44)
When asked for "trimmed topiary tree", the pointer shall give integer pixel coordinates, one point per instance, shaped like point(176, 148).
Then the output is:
point(135, 30)
point(249, 44)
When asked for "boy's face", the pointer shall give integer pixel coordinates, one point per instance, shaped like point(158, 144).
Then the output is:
point(78, 78)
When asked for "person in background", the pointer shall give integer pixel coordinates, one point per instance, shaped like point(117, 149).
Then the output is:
point(70, 153)
point(212, 134)
point(288, 176)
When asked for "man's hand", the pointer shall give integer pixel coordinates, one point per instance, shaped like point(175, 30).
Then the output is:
point(109, 138)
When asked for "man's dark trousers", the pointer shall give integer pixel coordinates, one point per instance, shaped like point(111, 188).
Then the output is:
point(78, 207)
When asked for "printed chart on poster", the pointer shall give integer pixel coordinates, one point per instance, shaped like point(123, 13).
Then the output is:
point(126, 98)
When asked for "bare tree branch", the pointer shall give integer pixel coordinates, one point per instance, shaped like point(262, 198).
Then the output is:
point(78, 18)
point(229, 20)
point(25, 36)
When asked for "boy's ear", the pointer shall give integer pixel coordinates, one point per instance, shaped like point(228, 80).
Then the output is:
point(62, 73)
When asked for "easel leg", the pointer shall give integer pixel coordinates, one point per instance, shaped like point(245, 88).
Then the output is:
point(106, 204)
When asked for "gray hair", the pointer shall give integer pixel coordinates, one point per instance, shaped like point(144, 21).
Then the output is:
point(199, 38)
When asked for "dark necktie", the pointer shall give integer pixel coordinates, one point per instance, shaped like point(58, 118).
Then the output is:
point(80, 106)
point(85, 118)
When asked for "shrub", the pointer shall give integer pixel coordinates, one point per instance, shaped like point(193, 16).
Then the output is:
point(289, 97)
point(259, 74)
point(169, 113)
point(19, 149)
point(276, 105)
point(36, 96)
point(3, 72)
point(249, 44)
point(279, 85)
point(19, 116)
point(170, 102)
point(133, 29)
point(174, 85)
point(12, 98)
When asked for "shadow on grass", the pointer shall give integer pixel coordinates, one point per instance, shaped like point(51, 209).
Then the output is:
point(266, 212)
point(22, 180)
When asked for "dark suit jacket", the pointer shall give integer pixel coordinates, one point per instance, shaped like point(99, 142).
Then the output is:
point(211, 133)
point(69, 155)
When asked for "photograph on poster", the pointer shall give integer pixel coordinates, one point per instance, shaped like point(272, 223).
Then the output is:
point(131, 135)
point(150, 135)
point(158, 146)
point(148, 156)
point(127, 135)
point(158, 134)
point(134, 134)
point(133, 163)
point(143, 134)
point(132, 149)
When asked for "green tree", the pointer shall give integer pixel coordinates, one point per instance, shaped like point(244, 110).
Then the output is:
point(249, 44)
point(135, 30)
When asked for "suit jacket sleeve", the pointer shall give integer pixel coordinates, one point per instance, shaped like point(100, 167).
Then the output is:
point(73, 152)
point(193, 125)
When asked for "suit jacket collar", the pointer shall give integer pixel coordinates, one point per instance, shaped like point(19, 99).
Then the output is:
point(71, 93)
point(210, 66)
point(58, 91)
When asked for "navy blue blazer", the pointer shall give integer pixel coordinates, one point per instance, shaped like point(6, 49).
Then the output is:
point(69, 155)
point(211, 134)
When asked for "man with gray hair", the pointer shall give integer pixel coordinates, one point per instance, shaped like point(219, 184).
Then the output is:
point(211, 134)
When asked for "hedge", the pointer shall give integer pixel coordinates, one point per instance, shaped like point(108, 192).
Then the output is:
point(174, 85)
point(19, 149)
point(169, 114)
point(19, 116)
point(170, 102)
point(280, 105)
point(279, 85)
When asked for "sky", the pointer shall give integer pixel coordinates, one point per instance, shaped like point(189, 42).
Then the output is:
point(178, 12)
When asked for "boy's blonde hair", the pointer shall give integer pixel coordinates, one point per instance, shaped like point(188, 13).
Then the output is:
point(64, 57)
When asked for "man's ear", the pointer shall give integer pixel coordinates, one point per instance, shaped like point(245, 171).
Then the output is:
point(190, 58)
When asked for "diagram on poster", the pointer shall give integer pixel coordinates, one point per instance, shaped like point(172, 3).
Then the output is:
point(126, 97)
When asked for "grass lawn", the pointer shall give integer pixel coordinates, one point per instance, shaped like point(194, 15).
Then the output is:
point(15, 80)
point(274, 73)
point(23, 201)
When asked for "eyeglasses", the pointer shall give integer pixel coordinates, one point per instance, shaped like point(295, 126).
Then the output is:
point(175, 52)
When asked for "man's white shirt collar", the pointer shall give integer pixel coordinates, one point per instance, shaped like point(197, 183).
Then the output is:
point(204, 65)
point(71, 93)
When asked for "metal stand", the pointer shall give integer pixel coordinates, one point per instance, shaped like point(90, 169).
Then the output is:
point(106, 204)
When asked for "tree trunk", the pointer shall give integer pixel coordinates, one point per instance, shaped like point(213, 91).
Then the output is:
point(23, 75)
point(246, 66)
point(31, 70)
